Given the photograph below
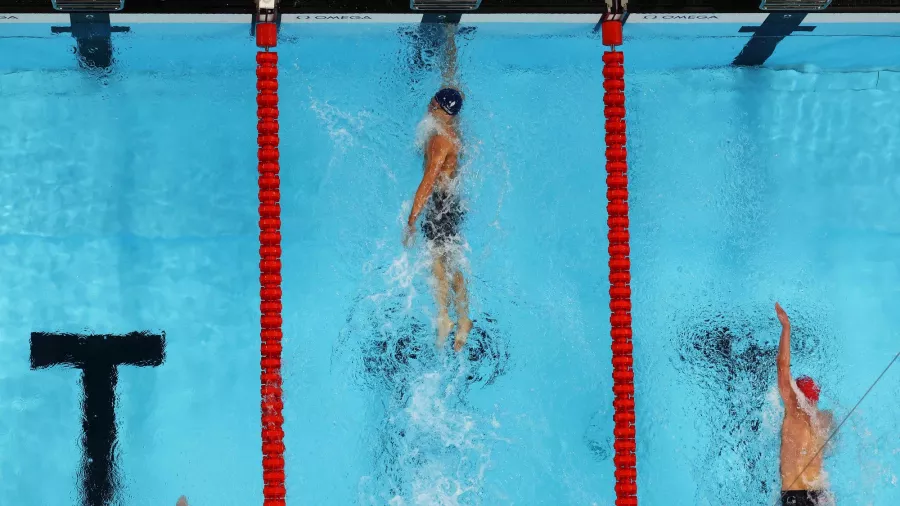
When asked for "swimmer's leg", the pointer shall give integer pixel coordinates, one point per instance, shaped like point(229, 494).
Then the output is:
point(441, 295)
point(464, 325)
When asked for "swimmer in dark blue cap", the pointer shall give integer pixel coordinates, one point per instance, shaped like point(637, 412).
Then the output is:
point(438, 196)
point(449, 100)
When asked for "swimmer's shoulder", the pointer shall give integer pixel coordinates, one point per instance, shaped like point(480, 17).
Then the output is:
point(446, 138)
point(445, 144)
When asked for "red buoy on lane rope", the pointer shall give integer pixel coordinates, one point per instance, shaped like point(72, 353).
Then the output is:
point(625, 459)
point(270, 306)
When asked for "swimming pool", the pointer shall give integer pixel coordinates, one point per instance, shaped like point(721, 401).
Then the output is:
point(130, 205)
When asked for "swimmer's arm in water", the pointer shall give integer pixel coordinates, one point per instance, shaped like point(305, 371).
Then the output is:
point(826, 418)
point(828, 427)
point(434, 160)
point(784, 362)
point(450, 69)
point(182, 501)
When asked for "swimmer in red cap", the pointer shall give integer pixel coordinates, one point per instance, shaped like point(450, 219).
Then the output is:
point(803, 431)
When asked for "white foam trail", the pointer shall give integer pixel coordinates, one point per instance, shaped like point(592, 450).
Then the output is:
point(404, 270)
point(820, 424)
point(343, 127)
point(401, 275)
point(773, 412)
point(426, 129)
point(446, 447)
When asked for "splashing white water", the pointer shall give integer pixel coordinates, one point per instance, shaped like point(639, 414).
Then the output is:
point(773, 411)
point(343, 127)
point(426, 129)
point(446, 449)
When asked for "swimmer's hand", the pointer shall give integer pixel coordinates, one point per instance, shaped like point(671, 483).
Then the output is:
point(409, 235)
point(782, 316)
point(182, 501)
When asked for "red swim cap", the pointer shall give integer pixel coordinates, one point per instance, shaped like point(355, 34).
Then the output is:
point(809, 388)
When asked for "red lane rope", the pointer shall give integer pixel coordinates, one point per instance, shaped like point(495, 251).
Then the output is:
point(270, 266)
point(625, 459)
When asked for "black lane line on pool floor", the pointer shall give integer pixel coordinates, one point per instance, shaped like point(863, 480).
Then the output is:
point(98, 357)
point(93, 38)
point(766, 37)
point(428, 38)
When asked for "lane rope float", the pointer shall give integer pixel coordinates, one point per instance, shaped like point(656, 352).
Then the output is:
point(625, 459)
point(272, 404)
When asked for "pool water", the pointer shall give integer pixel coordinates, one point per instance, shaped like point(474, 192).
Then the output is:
point(129, 204)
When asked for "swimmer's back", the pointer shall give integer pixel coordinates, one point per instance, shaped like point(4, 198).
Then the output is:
point(801, 439)
point(444, 145)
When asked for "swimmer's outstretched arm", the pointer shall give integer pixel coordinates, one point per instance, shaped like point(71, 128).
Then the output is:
point(784, 362)
point(450, 67)
point(826, 429)
point(182, 501)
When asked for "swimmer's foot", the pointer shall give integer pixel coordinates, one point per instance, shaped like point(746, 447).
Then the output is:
point(462, 333)
point(444, 326)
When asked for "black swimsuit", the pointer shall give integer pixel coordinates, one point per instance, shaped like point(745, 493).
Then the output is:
point(443, 217)
point(800, 497)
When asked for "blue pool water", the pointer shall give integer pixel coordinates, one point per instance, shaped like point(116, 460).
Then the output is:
point(129, 204)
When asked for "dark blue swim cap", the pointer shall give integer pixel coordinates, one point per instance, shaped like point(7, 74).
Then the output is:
point(450, 101)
